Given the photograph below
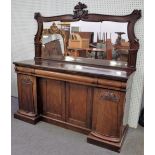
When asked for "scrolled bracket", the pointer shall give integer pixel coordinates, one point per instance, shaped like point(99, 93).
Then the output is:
point(136, 14)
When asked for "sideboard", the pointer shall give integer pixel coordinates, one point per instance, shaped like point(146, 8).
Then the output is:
point(87, 93)
point(87, 99)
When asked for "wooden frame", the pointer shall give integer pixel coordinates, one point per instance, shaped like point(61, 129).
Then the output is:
point(80, 13)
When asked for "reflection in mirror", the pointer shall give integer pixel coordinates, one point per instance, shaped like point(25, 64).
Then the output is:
point(53, 41)
point(96, 40)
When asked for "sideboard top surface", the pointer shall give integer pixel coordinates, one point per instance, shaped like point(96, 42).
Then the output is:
point(77, 68)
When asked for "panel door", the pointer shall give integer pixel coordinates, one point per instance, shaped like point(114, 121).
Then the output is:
point(78, 105)
point(52, 98)
point(108, 112)
point(27, 94)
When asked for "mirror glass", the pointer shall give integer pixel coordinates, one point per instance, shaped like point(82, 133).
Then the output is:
point(94, 40)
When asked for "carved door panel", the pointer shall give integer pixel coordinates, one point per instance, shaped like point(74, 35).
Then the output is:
point(78, 105)
point(108, 112)
point(53, 98)
point(27, 94)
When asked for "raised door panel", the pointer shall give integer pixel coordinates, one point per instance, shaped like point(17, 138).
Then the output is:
point(27, 94)
point(107, 112)
point(54, 98)
point(78, 105)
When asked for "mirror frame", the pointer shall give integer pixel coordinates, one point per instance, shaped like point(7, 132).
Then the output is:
point(80, 12)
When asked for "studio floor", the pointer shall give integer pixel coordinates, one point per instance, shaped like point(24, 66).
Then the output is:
point(48, 139)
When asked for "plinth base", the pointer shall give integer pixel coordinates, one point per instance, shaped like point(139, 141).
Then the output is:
point(28, 119)
point(114, 146)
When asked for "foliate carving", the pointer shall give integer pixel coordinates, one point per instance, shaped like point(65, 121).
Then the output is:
point(26, 79)
point(136, 14)
point(54, 30)
point(110, 96)
point(80, 11)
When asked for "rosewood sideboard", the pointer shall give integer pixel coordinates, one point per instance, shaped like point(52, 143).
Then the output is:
point(87, 95)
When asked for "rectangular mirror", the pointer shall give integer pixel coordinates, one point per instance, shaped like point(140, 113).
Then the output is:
point(105, 40)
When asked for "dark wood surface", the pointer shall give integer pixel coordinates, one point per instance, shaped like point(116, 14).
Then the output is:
point(27, 95)
point(75, 66)
point(83, 61)
point(77, 108)
point(105, 110)
point(54, 103)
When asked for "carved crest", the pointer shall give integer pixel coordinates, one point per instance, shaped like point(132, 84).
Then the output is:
point(80, 11)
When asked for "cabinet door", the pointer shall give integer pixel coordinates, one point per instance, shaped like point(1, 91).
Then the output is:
point(27, 94)
point(108, 112)
point(78, 105)
point(52, 96)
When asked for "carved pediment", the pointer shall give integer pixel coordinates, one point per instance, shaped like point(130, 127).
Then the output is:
point(80, 11)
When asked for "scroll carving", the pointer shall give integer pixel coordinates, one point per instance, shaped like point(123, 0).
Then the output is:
point(110, 96)
point(136, 14)
point(80, 11)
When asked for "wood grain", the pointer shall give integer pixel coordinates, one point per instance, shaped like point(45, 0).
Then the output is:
point(27, 95)
point(77, 104)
